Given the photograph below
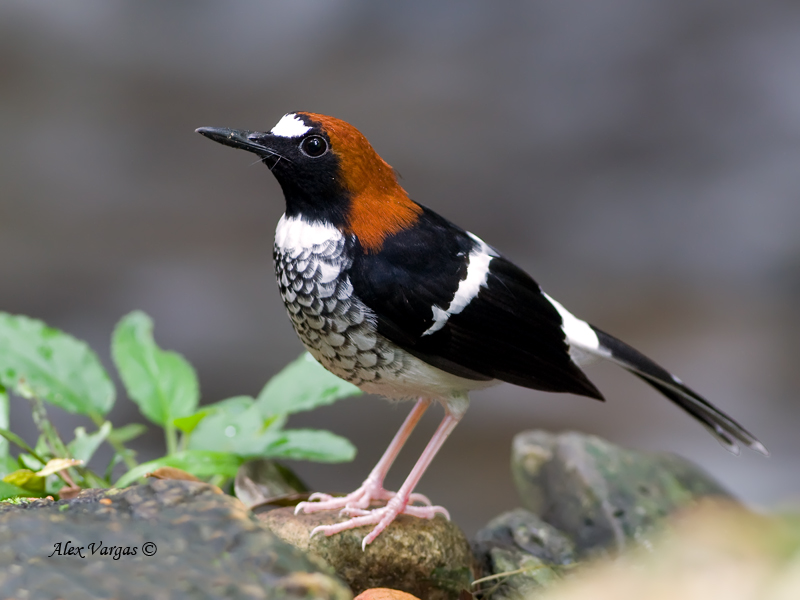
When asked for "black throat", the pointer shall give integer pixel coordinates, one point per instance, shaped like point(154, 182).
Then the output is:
point(313, 189)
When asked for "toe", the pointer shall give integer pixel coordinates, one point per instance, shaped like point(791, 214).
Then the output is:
point(420, 498)
point(426, 512)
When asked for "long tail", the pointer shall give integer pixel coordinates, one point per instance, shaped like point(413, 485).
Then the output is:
point(725, 429)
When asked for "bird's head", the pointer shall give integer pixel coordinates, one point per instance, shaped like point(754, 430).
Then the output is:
point(330, 173)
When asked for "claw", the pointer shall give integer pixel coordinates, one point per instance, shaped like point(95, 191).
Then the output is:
point(320, 496)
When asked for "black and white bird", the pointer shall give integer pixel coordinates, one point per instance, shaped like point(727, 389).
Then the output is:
point(396, 299)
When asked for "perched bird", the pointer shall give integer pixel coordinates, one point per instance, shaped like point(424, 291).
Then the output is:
point(394, 298)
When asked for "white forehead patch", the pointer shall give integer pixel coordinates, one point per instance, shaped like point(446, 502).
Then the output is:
point(290, 126)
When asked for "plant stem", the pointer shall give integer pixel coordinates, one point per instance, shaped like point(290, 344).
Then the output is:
point(4, 410)
point(59, 448)
point(15, 439)
point(507, 574)
point(47, 429)
point(171, 437)
point(129, 461)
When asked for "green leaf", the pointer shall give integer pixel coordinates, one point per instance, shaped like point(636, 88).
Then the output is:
point(115, 460)
point(37, 360)
point(54, 484)
point(188, 424)
point(235, 404)
point(9, 490)
point(302, 385)
point(310, 444)
point(235, 425)
point(197, 462)
point(162, 383)
point(85, 444)
point(7, 465)
point(4, 421)
point(42, 450)
point(26, 461)
point(126, 433)
point(27, 480)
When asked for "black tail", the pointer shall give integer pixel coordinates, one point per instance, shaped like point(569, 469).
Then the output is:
point(725, 429)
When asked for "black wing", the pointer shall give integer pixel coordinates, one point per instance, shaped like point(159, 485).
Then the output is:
point(509, 331)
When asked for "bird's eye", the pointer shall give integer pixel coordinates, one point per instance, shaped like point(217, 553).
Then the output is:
point(314, 146)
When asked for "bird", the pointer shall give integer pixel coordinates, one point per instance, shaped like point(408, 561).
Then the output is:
point(394, 298)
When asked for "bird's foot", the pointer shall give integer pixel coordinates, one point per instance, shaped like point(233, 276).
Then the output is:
point(359, 499)
point(380, 517)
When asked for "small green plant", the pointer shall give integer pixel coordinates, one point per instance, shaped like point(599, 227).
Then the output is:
point(47, 366)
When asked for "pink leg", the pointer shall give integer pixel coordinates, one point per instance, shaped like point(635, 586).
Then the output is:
point(372, 488)
point(382, 517)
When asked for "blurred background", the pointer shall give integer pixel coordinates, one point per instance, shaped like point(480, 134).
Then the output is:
point(640, 159)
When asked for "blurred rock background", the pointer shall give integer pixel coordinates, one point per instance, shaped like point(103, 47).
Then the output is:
point(641, 160)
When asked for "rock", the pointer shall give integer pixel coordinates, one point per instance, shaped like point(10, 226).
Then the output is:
point(429, 558)
point(520, 529)
point(519, 540)
point(602, 496)
point(712, 551)
point(164, 539)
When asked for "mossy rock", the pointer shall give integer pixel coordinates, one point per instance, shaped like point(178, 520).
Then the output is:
point(429, 558)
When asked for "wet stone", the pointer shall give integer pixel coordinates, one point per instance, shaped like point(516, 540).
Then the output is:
point(602, 496)
point(519, 542)
point(202, 544)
